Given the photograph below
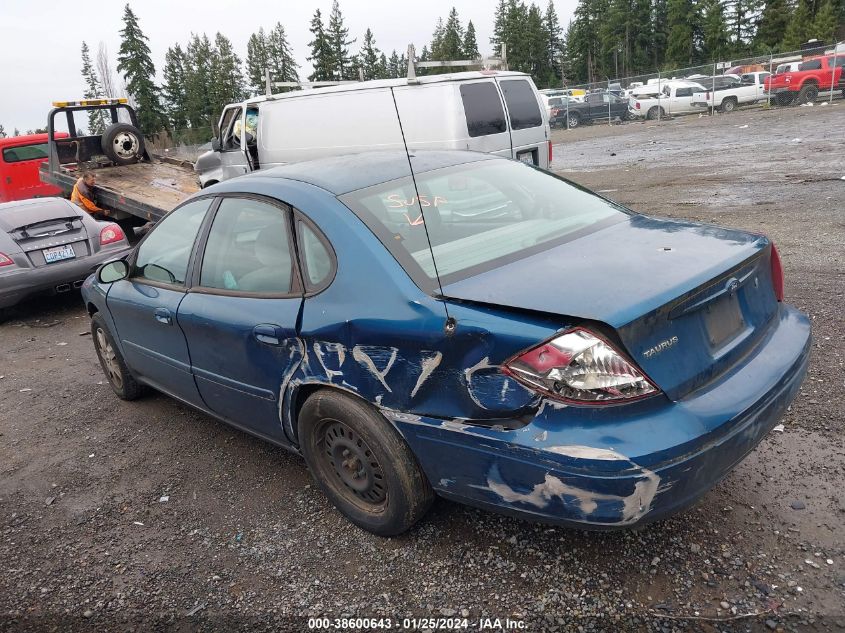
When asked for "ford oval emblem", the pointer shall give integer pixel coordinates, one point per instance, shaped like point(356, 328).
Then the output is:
point(732, 285)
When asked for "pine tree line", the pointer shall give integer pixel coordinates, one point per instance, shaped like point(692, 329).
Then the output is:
point(618, 38)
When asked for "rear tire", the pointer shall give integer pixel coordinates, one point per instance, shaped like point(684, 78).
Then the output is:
point(654, 112)
point(729, 105)
point(123, 144)
point(362, 464)
point(574, 120)
point(808, 94)
point(114, 367)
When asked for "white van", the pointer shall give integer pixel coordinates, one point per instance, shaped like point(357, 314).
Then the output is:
point(497, 112)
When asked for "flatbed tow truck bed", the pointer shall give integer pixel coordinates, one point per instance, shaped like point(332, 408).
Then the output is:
point(130, 181)
point(147, 190)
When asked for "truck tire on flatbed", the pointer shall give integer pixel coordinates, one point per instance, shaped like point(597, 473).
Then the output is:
point(123, 143)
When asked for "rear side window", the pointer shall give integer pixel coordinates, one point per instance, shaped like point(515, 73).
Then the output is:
point(483, 109)
point(25, 152)
point(839, 62)
point(814, 64)
point(523, 107)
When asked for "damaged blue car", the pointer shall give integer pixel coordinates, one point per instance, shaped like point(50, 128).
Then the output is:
point(463, 325)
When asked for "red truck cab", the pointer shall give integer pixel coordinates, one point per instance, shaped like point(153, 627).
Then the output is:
point(813, 75)
point(20, 158)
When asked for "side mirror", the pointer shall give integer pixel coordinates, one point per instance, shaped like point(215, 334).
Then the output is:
point(113, 271)
point(215, 144)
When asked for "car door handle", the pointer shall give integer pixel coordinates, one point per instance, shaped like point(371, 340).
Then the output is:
point(267, 333)
point(163, 315)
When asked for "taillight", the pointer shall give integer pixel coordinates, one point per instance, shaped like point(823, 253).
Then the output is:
point(555, 111)
point(637, 105)
point(578, 366)
point(110, 234)
point(550, 153)
point(5, 260)
point(777, 273)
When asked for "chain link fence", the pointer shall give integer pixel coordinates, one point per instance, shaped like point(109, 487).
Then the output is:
point(720, 87)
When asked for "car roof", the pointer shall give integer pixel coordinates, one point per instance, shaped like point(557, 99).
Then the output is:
point(28, 139)
point(350, 172)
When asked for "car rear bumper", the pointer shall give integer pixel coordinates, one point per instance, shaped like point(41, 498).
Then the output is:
point(617, 466)
point(20, 283)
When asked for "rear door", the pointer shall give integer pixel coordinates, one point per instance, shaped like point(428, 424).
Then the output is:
point(240, 316)
point(487, 127)
point(19, 168)
point(528, 127)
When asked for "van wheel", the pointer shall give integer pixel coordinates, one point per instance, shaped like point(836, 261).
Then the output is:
point(573, 120)
point(654, 112)
point(729, 104)
point(122, 143)
point(362, 464)
point(808, 93)
point(114, 367)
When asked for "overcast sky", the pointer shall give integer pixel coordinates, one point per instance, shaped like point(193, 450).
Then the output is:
point(40, 46)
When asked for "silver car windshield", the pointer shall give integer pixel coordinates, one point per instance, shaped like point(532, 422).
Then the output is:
point(478, 216)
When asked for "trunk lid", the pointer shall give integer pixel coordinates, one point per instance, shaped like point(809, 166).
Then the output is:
point(686, 300)
point(45, 231)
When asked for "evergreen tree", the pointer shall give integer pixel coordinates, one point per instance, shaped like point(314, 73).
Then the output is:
point(136, 64)
point(452, 42)
point(825, 22)
point(337, 33)
point(715, 37)
point(394, 68)
point(499, 28)
point(437, 39)
point(227, 83)
point(97, 120)
point(659, 31)
point(537, 47)
point(280, 58)
point(369, 57)
point(554, 46)
point(800, 27)
point(381, 71)
point(582, 42)
point(173, 90)
point(257, 60)
point(680, 47)
point(198, 79)
point(742, 17)
point(470, 45)
point(16, 132)
point(2, 131)
point(771, 27)
point(322, 54)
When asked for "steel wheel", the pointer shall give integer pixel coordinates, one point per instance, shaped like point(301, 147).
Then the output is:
point(125, 145)
point(106, 352)
point(348, 461)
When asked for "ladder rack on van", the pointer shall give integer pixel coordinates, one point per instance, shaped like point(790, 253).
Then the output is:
point(484, 63)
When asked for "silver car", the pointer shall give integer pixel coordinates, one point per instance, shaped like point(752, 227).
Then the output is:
point(48, 246)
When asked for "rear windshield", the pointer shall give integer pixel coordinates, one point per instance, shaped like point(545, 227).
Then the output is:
point(523, 108)
point(478, 216)
point(25, 152)
point(483, 109)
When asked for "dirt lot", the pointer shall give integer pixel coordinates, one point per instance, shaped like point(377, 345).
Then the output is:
point(150, 516)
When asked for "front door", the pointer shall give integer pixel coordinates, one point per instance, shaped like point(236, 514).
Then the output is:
point(232, 155)
point(144, 306)
point(241, 314)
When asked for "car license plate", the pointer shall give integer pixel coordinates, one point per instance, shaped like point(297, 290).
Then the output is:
point(723, 320)
point(526, 157)
point(58, 253)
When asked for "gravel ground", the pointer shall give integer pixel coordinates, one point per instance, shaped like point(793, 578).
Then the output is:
point(150, 516)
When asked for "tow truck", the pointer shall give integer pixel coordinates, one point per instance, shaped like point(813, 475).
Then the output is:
point(131, 183)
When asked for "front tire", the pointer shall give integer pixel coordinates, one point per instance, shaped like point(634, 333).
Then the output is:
point(362, 464)
point(114, 367)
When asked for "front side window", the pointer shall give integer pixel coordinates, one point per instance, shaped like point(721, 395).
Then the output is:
point(522, 104)
point(477, 216)
point(683, 92)
point(483, 109)
point(25, 152)
point(163, 256)
point(230, 129)
point(248, 249)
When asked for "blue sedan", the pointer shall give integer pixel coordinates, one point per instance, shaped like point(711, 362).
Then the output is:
point(464, 325)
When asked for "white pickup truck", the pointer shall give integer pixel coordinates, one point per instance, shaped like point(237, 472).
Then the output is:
point(749, 90)
point(668, 98)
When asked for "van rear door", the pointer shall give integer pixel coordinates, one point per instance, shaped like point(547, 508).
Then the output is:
point(486, 120)
point(529, 128)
